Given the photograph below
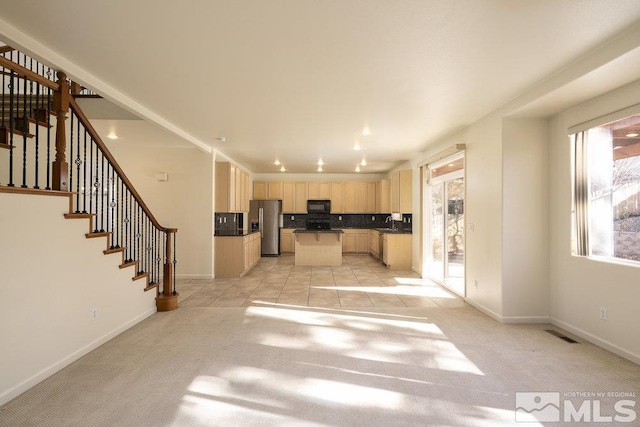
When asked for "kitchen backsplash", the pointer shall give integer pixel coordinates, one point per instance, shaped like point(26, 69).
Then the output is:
point(228, 221)
point(349, 221)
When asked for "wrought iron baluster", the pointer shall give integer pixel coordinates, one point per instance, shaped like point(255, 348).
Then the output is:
point(71, 156)
point(84, 174)
point(130, 225)
point(24, 128)
point(11, 125)
point(96, 188)
point(78, 162)
point(34, 112)
point(90, 187)
point(48, 187)
point(175, 260)
point(103, 187)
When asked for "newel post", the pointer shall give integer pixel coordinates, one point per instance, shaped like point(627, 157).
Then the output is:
point(168, 299)
point(60, 167)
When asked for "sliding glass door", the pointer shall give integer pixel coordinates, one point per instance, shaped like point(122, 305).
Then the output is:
point(445, 200)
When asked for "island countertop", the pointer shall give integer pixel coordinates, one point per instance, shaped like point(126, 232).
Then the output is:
point(304, 230)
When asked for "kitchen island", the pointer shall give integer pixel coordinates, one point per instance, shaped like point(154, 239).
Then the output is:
point(318, 247)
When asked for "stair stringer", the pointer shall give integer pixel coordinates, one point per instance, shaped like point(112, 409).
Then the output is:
point(52, 279)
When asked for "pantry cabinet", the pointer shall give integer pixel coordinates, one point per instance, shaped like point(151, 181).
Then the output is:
point(232, 188)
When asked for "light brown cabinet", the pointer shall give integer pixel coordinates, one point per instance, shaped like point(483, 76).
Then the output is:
point(236, 255)
point(259, 190)
point(301, 190)
point(319, 190)
point(396, 251)
point(401, 187)
point(232, 188)
point(374, 244)
point(287, 242)
point(362, 241)
point(349, 241)
point(383, 196)
point(337, 196)
point(355, 240)
point(349, 197)
point(346, 196)
point(275, 190)
point(370, 204)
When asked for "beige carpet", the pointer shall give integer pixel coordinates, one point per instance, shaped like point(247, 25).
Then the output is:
point(278, 365)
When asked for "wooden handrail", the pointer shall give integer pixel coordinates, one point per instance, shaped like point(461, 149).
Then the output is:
point(87, 124)
point(25, 72)
point(5, 49)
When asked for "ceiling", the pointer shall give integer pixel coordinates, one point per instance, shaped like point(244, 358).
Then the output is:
point(299, 80)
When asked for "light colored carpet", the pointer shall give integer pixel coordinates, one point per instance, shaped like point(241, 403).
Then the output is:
point(278, 365)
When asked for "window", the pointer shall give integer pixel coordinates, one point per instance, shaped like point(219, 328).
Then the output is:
point(606, 190)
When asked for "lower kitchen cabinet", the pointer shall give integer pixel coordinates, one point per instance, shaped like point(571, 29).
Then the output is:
point(236, 255)
point(396, 251)
point(375, 244)
point(355, 241)
point(287, 241)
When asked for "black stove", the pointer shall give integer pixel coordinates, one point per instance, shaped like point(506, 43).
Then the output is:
point(318, 222)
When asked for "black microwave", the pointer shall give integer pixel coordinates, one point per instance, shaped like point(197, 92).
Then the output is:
point(319, 206)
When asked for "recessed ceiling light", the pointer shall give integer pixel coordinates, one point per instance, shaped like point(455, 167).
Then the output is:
point(617, 147)
point(221, 139)
point(356, 147)
point(632, 135)
point(112, 135)
point(363, 162)
point(366, 132)
point(319, 168)
point(450, 164)
point(320, 162)
point(282, 169)
point(358, 168)
point(277, 162)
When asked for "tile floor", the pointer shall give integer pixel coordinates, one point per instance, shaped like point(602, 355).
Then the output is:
point(359, 282)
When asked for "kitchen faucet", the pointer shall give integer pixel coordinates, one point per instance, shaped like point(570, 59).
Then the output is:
point(393, 223)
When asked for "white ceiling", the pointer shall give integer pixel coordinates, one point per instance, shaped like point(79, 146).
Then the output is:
point(299, 80)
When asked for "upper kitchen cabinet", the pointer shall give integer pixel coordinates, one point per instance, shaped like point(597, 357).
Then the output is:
point(337, 195)
point(383, 196)
point(319, 190)
point(288, 196)
point(301, 191)
point(370, 205)
point(268, 190)
point(294, 197)
point(401, 185)
point(232, 188)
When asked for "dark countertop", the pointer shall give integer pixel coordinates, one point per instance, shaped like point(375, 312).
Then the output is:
point(304, 230)
point(392, 231)
point(340, 230)
point(233, 233)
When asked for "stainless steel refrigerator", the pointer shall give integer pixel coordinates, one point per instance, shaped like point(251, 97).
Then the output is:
point(266, 216)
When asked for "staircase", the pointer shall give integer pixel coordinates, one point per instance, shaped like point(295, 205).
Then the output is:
point(47, 145)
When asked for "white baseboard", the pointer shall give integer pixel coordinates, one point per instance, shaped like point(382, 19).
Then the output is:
point(11, 393)
point(495, 316)
point(526, 319)
point(596, 340)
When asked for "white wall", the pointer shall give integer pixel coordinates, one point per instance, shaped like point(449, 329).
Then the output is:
point(580, 286)
point(52, 276)
point(185, 201)
point(525, 212)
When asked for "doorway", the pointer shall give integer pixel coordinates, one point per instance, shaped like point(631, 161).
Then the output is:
point(445, 218)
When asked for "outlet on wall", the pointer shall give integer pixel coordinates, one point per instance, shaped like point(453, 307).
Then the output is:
point(475, 283)
point(94, 313)
point(603, 313)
